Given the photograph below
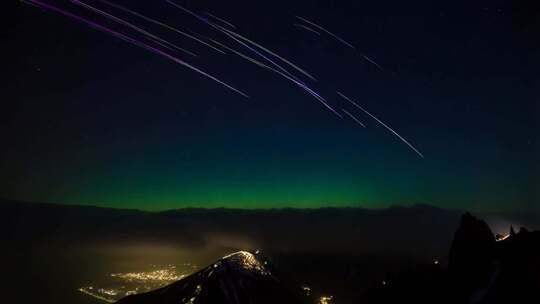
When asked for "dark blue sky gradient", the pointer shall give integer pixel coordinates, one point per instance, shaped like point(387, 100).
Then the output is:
point(93, 120)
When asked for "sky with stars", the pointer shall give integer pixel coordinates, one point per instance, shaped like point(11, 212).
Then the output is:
point(90, 119)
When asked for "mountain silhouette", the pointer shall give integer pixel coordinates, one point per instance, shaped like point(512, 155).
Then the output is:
point(238, 278)
point(343, 252)
point(470, 263)
point(481, 270)
point(487, 271)
point(517, 266)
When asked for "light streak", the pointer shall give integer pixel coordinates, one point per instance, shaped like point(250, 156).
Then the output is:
point(327, 31)
point(353, 118)
point(240, 37)
point(132, 26)
point(272, 53)
point(306, 28)
point(372, 62)
point(382, 123)
point(220, 20)
point(162, 24)
point(503, 238)
point(295, 81)
point(133, 41)
point(340, 40)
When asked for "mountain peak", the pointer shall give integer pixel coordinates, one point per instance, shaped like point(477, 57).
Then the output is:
point(240, 277)
point(470, 258)
point(244, 261)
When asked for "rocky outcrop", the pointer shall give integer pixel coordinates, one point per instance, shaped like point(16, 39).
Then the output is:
point(472, 252)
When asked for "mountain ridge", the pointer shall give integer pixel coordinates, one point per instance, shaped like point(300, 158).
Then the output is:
point(240, 277)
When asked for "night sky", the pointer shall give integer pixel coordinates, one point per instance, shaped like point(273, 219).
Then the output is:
point(90, 119)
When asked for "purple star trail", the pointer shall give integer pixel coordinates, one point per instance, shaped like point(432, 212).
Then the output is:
point(269, 60)
point(134, 42)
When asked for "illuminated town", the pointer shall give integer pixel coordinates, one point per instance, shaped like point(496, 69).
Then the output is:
point(130, 283)
point(121, 284)
point(160, 275)
point(325, 299)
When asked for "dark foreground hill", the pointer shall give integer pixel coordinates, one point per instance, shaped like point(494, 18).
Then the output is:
point(481, 270)
point(57, 249)
point(391, 255)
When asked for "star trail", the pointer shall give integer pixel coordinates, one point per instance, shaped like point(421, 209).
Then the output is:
point(197, 103)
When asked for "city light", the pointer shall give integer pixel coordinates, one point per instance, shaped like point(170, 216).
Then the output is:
point(131, 283)
point(325, 299)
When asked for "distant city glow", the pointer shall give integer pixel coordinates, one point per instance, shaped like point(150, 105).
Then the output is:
point(98, 293)
point(502, 237)
point(325, 299)
point(131, 283)
point(167, 275)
